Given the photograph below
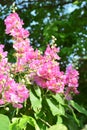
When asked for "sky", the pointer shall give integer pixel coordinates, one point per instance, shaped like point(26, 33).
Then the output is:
point(70, 8)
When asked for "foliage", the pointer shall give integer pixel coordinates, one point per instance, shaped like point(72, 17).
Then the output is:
point(52, 112)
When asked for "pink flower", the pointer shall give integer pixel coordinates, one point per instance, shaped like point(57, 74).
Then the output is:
point(40, 81)
point(12, 92)
point(71, 81)
point(11, 21)
point(21, 33)
point(21, 45)
point(2, 53)
point(51, 52)
point(71, 76)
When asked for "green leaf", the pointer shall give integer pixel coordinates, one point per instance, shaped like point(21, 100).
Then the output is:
point(78, 107)
point(74, 116)
point(58, 127)
point(59, 119)
point(35, 102)
point(53, 107)
point(38, 91)
point(62, 35)
point(4, 122)
point(31, 121)
point(62, 109)
point(14, 124)
point(23, 122)
point(58, 98)
point(76, 2)
point(71, 123)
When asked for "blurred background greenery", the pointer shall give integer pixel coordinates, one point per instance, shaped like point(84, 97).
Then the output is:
point(66, 20)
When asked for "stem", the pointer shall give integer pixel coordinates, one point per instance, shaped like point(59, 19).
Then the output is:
point(45, 122)
point(17, 110)
point(4, 105)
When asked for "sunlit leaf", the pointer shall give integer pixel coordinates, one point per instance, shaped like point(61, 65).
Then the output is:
point(59, 119)
point(54, 108)
point(35, 102)
point(14, 124)
point(31, 121)
point(58, 98)
point(4, 122)
point(58, 127)
point(78, 107)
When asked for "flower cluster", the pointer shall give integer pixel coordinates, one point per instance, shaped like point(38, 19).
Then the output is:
point(15, 31)
point(42, 69)
point(71, 81)
point(10, 91)
point(4, 65)
point(47, 71)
